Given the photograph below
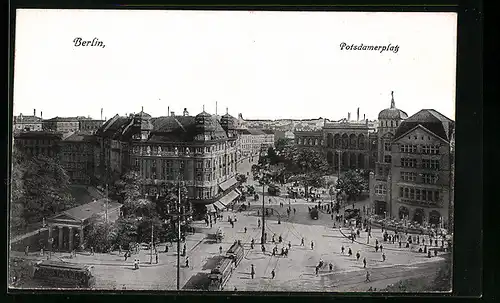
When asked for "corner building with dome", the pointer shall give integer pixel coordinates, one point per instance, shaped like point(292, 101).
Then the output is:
point(413, 177)
point(198, 150)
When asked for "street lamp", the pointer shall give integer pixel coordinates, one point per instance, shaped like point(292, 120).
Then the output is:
point(263, 180)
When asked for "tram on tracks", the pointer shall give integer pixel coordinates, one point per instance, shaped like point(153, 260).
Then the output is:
point(224, 268)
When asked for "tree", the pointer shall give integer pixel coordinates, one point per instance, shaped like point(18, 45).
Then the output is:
point(308, 166)
point(281, 144)
point(40, 188)
point(99, 234)
point(125, 232)
point(352, 184)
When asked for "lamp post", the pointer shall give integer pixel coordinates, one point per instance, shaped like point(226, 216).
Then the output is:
point(179, 235)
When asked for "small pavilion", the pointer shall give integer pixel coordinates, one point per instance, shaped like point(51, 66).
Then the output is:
point(69, 225)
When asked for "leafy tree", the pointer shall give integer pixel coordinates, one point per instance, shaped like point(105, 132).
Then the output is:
point(40, 188)
point(125, 232)
point(352, 184)
point(99, 234)
point(308, 166)
point(128, 189)
point(281, 144)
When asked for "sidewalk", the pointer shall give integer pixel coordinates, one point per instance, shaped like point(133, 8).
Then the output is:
point(26, 235)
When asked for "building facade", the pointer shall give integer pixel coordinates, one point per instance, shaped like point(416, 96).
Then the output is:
point(76, 154)
point(38, 143)
point(198, 150)
point(27, 123)
point(350, 143)
point(89, 125)
point(389, 120)
point(418, 186)
point(62, 124)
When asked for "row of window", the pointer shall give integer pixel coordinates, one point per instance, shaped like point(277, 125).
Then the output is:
point(426, 163)
point(426, 178)
point(390, 123)
point(413, 148)
point(419, 194)
point(148, 170)
point(159, 149)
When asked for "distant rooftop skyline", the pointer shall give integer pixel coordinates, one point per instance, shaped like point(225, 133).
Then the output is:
point(265, 65)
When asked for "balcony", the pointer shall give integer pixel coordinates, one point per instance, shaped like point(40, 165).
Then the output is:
point(427, 204)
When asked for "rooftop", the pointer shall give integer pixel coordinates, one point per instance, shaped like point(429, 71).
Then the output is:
point(84, 212)
point(432, 120)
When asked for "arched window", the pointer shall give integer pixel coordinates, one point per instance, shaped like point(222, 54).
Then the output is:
point(329, 140)
point(336, 141)
point(361, 141)
point(345, 141)
point(353, 141)
point(316, 142)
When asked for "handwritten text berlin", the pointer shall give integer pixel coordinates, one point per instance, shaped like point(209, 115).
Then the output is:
point(95, 42)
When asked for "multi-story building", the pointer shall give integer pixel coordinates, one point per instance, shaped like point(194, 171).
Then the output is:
point(418, 186)
point(27, 123)
point(36, 143)
point(350, 143)
point(76, 154)
point(89, 125)
point(62, 124)
point(199, 150)
point(389, 120)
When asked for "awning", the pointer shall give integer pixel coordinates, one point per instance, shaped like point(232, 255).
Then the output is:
point(228, 183)
point(238, 191)
point(210, 208)
point(219, 205)
point(228, 198)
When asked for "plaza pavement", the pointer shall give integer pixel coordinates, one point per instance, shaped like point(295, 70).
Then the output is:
point(293, 273)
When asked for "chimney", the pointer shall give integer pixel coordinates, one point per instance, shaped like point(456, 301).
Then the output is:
point(216, 108)
point(358, 115)
point(41, 114)
point(349, 116)
point(34, 112)
point(168, 110)
point(364, 116)
point(172, 114)
point(101, 112)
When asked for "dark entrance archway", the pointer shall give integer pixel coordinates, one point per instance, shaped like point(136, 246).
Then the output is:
point(329, 158)
point(380, 207)
point(403, 212)
point(434, 217)
point(361, 161)
point(419, 215)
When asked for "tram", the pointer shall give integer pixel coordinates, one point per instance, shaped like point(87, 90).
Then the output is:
point(62, 274)
point(222, 272)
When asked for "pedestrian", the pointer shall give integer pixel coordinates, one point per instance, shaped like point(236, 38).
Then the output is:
point(399, 243)
point(92, 250)
point(220, 249)
point(232, 224)
point(119, 249)
point(252, 271)
point(350, 252)
point(263, 248)
point(302, 242)
point(184, 250)
point(383, 257)
point(289, 245)
point(126, 256)
point(330, 266)
point(294, 210)
point(280, 239)
point(156, 258)
point(367, 276)
point(317, 270)
point(358, 255)
point(364, 262)
point(273, 274)
point(272, 239)
point(245, 230)
point(312, 245)
point(435, 253)
point(425, 249)
point(210, 223)
point(258, 222)
point(380, 247)
point(187, 261)
point(342, 249)
point(429, 253)
point(376, 247)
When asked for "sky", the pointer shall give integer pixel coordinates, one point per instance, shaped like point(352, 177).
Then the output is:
point(265, 65)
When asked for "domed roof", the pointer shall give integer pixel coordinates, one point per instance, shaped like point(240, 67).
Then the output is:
point(392, 112)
